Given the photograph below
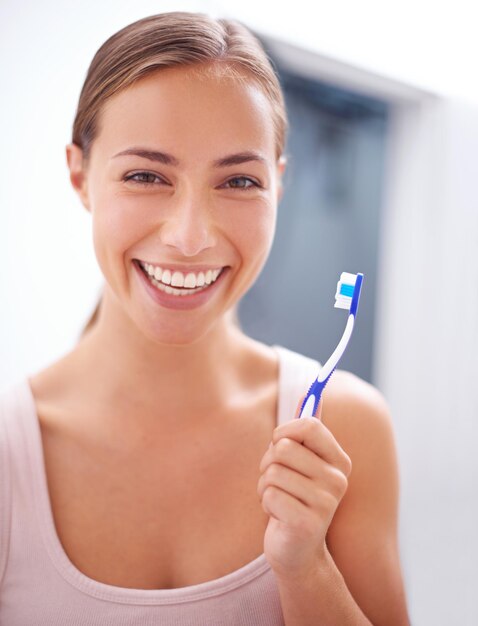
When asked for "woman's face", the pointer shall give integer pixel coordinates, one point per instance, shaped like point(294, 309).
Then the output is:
point(197, 202)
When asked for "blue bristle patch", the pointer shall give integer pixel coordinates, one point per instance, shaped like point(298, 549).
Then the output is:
point(347, 290)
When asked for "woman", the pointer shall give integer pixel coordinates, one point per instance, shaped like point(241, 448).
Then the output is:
point(155, 474)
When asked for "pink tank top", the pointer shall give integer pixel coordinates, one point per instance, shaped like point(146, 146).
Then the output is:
point(40, 586)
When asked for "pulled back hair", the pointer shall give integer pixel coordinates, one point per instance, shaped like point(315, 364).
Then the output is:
point(169, 40)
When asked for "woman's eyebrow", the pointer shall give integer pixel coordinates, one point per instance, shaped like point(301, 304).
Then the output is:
point(168, 159)
point(240, 157)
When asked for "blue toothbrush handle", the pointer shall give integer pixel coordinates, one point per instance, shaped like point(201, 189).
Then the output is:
point(312, 399)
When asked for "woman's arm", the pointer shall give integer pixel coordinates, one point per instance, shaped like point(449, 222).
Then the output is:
point(363, 536)
point(356, 578)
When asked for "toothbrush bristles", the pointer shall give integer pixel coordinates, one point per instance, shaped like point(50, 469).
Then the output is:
point(345, 290)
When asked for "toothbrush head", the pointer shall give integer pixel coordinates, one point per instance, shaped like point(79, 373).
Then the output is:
point(348, 292)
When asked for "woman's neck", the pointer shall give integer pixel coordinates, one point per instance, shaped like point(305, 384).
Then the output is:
point(142, 380)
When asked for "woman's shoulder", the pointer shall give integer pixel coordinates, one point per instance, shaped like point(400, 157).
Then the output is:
point(350, 403)
point(348, 400)
point(359, 417)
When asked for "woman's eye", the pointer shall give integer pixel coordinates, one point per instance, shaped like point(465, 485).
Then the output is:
point(143, 178)
point(242, 180)
point(148, 178)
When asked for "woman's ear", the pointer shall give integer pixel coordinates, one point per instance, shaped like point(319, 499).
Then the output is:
point(74, 158)
point(281, 165)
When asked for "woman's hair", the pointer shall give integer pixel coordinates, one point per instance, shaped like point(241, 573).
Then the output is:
point(169, 40)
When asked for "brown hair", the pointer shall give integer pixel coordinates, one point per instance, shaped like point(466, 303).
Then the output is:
point(167, 40)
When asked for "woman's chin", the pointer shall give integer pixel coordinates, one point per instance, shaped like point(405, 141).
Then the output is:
point(177, 335)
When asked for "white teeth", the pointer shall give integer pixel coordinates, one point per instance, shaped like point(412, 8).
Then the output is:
point(172, 290)
point(190, 280)
point(176, 278)
point(166, 277)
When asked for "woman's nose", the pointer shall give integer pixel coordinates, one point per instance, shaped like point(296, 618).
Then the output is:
point(188, 227)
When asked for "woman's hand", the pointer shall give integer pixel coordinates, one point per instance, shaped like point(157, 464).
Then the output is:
point(303, 478)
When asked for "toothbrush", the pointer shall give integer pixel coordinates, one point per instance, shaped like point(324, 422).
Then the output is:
point(346, 297)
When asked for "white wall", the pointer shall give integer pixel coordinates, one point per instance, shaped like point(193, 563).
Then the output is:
point(427, 337)
point(427, 346)
point(426, 332)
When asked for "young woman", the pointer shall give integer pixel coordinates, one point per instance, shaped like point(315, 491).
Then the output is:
point(155, 474)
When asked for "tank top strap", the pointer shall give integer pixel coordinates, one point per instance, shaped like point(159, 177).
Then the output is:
point(297, 373)
point(8, 406)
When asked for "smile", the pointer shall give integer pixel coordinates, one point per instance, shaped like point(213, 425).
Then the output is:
point(178, 283)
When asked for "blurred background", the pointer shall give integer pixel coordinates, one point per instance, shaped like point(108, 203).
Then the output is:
point(383, 106)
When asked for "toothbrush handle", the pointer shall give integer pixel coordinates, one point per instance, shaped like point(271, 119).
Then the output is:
point(312, 399)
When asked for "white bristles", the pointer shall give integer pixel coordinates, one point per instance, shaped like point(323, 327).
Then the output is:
point(350, 279)
point(343, 301)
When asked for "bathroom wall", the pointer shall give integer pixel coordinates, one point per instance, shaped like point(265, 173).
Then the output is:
point(328, 223)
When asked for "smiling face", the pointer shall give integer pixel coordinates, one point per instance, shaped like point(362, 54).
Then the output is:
point(182, 183)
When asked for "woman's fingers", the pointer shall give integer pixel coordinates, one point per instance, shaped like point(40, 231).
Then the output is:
point(292, 454)
point(313, 492)
point(315, 437)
